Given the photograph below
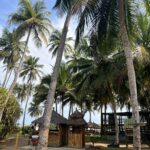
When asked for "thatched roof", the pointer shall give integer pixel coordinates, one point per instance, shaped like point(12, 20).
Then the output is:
point(76, 119)
point(55, 119)
point(93, 125)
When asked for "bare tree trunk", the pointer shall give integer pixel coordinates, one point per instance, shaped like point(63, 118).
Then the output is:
point(44, 128)
point(17, 73)
point(131, 77)
point(5, 79)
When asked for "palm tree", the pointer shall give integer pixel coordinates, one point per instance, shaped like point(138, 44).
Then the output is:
point(10, 51)
point(35, 110)
point(30, 71)
point(111, 18)
point(64, 84)
point(70, 7)
point(143, 38)
point(55, 41)
point(131, 76)
point(33, 20)
point(20, 92)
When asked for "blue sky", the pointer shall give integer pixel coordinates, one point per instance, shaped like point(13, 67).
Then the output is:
point(9, 6)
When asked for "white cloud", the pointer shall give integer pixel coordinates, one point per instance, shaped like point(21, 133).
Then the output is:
point(59, 23)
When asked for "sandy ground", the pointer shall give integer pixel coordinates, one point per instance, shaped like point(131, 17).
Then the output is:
point(23, 142)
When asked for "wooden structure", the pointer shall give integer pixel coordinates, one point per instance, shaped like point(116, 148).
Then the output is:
point(92, 128)
point(108, 122)
point(76, 134)
point(58, 135)
point(108, 125)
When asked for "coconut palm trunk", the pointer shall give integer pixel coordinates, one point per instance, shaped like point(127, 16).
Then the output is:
point(17, 73)
point(112, 95)
point(44, 129)
point(70, 107)
point(25, 109)
point(131, 77)
point(6, 76)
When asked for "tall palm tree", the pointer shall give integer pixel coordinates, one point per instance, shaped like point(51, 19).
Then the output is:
point(10, 51)
point(55, 41)
point(70, 7)
point(131, 76)
point(113, 18)
point(31, 19)
point(31, 71)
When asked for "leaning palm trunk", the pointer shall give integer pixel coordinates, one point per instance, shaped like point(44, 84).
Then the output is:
point(131, 77)
point(17, 73)
point(44, 128)
point(6, 75)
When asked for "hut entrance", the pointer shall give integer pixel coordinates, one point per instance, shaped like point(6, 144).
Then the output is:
point(58, 135)
point(63, 135)
point(76, 136)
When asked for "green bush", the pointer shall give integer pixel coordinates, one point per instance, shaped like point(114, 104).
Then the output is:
point(26, 130)
point(93, 138)
point(11, 113)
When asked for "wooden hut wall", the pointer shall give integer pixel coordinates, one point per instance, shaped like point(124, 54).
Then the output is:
point(54, 138)
point(76, 137)
point(60, 137)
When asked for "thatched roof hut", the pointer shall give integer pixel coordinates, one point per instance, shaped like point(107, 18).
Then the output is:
point(55, 119)
point(93, 125)
point(76, 119)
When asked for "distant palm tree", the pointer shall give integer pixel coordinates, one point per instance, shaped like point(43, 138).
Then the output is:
point(55, 41)
point(31, 71)
point(10, 51)
point(32, 19)
point(35, 110)
point(20, 91)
